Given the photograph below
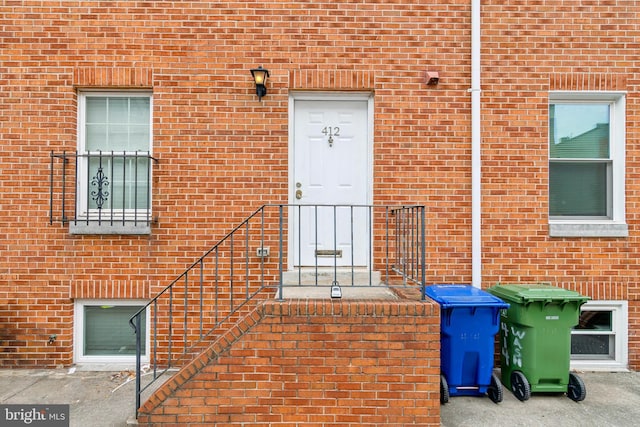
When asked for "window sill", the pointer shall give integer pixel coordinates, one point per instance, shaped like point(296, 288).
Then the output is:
point(588, 229)
point(598, 366)
point(106, 227)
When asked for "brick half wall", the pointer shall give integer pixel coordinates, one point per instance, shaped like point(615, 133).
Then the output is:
point(312, 362)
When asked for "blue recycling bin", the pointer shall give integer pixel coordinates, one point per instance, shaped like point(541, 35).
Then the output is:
point(470, 319)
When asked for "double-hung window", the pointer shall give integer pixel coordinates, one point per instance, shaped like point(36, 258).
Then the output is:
point(114, 161)
point(586, 164)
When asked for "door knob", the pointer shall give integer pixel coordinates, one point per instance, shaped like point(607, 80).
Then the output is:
point(298, 194)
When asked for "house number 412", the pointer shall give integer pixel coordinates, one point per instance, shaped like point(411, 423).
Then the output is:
point(331, 132)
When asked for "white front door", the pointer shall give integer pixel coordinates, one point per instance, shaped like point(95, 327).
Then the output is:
point(331, 166)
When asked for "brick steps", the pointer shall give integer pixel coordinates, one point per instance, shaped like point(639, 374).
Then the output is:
point(310, 361)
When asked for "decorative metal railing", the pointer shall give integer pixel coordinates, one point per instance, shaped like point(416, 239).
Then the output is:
point(102, 188)
point(249, 264)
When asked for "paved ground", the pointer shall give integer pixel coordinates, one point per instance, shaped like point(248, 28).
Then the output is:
point(96, 399)
point(613, 399)
point(106, 399)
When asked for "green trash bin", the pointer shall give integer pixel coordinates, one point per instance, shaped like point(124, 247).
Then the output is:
point(535, 339)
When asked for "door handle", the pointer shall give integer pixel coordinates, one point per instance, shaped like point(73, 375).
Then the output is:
point(298, 194)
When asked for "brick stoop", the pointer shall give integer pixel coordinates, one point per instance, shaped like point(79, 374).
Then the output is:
point(312, 362)
point(221, 344)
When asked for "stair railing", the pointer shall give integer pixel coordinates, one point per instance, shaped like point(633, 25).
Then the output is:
point(249, 264)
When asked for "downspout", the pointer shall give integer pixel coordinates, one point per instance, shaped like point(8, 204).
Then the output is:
point(476, 195)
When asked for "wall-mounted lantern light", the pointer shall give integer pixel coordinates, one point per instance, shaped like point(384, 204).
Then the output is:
point(260, 78)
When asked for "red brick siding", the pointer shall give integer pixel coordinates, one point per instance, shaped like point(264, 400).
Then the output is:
point(349, 363)
point(529, 49)
point(222, 153)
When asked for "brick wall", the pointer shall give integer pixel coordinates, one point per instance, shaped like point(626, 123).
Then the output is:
point(529, 49)
point(222, 153)
point(347, 363)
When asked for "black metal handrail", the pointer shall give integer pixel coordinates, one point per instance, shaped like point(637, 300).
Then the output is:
point(241, 266)
point(82, 187)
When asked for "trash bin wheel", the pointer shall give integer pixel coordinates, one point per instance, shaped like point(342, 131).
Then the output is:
point(520, 386)
point(444, 390)
point(494, 391)
point(576, 389)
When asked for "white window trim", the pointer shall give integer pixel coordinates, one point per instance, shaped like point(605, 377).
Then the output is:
point(616, 226)
point(104, 362)
point(133, 223)
point(619, 319)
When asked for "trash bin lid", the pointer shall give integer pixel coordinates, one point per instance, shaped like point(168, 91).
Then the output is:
point(528, 293)
point(449, 296)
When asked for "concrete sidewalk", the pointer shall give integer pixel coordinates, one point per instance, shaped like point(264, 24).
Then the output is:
point(613, 399)
point(107, 399)
point(95, 398)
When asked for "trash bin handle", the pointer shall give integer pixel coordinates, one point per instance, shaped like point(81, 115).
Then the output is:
point(446, 317)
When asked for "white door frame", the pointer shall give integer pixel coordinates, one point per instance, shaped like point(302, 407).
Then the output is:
point(327, 96)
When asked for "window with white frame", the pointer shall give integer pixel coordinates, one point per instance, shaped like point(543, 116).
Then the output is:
point(114, 156)
point(586, 164)
point(102, 333)
point(599, 341)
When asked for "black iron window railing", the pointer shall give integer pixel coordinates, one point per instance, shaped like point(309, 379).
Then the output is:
point(101, 188)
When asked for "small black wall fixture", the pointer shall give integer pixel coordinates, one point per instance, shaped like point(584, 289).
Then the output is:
point(260, 78)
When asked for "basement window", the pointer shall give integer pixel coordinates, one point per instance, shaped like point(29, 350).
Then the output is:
point(103, 334)
point(599, 341)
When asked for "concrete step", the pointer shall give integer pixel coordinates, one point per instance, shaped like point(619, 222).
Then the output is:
point(315, 283)
point(347, 292)
point(345, 276)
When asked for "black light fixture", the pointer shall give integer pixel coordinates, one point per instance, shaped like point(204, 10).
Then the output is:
point(260, 78)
